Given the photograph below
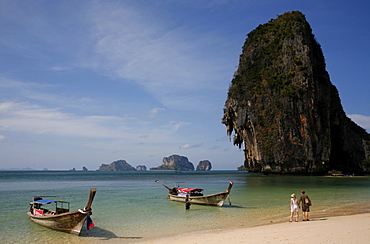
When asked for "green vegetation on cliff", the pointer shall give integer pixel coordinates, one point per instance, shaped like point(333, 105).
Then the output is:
point(175, 162)
point(267, 51)
point(283, 107)
point(119, 165)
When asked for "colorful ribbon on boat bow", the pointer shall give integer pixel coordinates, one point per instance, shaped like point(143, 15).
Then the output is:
point(89, 222)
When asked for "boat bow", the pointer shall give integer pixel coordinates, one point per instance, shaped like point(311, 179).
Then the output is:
point(196, 197)
point(61, 219)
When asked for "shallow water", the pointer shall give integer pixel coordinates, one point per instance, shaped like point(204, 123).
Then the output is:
point(130, 207)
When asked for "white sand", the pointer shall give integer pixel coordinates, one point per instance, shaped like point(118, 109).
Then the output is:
point(342, 229)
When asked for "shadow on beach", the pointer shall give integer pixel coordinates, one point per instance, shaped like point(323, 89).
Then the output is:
point(206, 208)
point(103, 234)
point(232, 206)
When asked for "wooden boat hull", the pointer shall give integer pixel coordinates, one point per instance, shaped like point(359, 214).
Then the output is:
point(60, 218)
point(196, 196)
point(70, 222)
point(217, 199)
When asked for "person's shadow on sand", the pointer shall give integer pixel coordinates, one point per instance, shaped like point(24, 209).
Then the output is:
point(320, 219)
point(104, 234)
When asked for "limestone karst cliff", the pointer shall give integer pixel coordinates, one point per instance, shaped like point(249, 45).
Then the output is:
point(204, 165)
point(141, 168)
point(283, 109)
point(119, 165)
point(175, 162)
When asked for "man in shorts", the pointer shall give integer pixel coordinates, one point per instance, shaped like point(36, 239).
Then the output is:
point(305, 205)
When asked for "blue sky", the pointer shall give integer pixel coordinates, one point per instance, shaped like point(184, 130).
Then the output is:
point(89, 82)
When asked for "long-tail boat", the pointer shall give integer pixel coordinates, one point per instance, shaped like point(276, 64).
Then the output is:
point(58, 217)
point(195, 195)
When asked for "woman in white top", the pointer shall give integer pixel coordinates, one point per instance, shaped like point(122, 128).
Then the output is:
point(294, 208)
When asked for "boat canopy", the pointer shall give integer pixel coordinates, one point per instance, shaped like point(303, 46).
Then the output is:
point(47, 201)
point(44, 201)
point(189, 190)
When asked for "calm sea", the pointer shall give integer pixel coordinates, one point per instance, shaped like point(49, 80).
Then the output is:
point(130, 207)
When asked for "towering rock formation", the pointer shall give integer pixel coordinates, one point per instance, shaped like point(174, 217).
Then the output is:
point(119, 165)
point(204, 165)
point(141, 168)
point(283, 107)
point(175, 162)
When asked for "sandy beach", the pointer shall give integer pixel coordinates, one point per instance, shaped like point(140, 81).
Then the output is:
point(336, 229)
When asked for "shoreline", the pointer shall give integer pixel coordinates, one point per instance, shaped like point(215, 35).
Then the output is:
point(343, 225)
point(337, 229)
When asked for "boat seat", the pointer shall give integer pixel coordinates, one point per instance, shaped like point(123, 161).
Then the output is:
point(61, 210)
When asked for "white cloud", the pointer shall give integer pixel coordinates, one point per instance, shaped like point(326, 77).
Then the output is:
point(168, 63)
point(2, 137)
point(361, 120)
point(177, 124)
point(42, 93)
point(6, 83)
point(154, 112)
point(189, 146)
point(86, 99)
point(35, 119)
point(29, 90)
point(60, 68)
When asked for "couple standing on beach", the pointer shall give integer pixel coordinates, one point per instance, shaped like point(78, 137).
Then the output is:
point(294, 206)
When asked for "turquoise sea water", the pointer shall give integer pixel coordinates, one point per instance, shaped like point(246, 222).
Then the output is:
point(130, 207)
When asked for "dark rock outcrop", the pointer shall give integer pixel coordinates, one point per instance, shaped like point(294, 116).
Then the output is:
point(175, 162)
point(84, 168)
point(241, 168)
point(119, 165)
point(283, 108)
point(204, 165)
point(141, 168)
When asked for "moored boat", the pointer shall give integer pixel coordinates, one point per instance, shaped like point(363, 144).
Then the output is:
point(180, 194)
point(59, 217)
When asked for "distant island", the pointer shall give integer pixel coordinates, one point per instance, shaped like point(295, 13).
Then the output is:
point(141, 168)
point(119, 165)
point(204, 165)
point(177, 162)
point(173, 162)
point(83, 169)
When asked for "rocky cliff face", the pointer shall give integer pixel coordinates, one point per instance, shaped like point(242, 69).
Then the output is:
point(141, 168)
point(119, 165)
point(284, 110)
point(204, 165)
point(175, 162)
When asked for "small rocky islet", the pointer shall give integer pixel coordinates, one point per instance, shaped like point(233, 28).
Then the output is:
point(173, 162)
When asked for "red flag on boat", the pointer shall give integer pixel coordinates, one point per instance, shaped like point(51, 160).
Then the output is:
point(89, 222)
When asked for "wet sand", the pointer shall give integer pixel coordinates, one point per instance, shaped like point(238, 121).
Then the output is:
point(344, 225)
